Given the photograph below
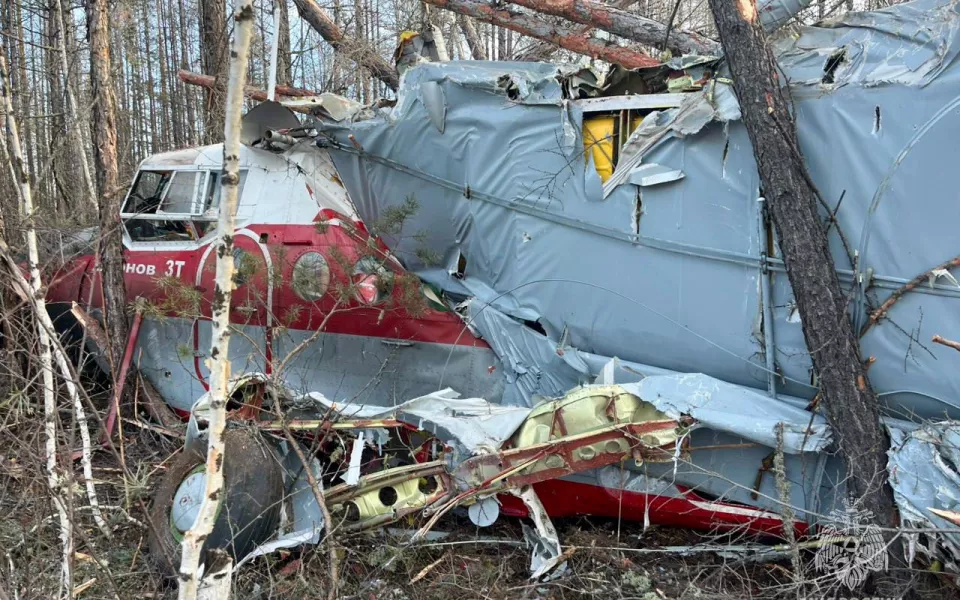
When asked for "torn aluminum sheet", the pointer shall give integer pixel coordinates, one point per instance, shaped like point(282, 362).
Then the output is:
point(671, 276)
point(475, 424)
point(716, 103)
point(331, 106)
point(910, 44)
point(776, 13)
point(923, 473)
point(735, 409)
point(545, 555)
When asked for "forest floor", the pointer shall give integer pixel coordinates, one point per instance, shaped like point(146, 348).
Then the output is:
point(607, 559)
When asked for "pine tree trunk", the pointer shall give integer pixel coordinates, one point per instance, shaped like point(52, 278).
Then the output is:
point(214, 55)
point(185, 63)
point(151, 84)
point(565, 36)
point(284, 71)
point(849, 400)
point(612, 18)
point(108, 186)
point(62, 170)
point(171, 135)
point(477, 50)
point(74, 130)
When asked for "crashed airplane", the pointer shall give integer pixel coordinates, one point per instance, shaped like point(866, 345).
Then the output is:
point(599, 322)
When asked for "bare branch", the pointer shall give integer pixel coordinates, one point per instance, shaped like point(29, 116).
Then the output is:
point(937, 339)
point(624, 24)
point(360, 52)
point(561, 35)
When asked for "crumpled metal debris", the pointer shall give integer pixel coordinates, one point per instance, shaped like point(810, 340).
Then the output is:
point(722, 406)
point(475, 424)
point(485, 450)
point(923, 466)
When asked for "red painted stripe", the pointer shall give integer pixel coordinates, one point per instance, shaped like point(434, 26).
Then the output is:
point(572, 499)
point(286, 242)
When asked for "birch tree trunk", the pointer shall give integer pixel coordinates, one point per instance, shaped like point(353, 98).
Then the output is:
point(72, 121)
point(46, 364)
point(110, 253)
point(219, 363)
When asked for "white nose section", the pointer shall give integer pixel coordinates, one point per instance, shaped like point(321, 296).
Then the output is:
point(186, 502)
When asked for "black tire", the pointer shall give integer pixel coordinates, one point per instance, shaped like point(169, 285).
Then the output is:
point(249, 512)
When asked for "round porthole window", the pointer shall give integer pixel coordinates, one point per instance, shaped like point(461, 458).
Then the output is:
point(311, 276)
point(373, 282)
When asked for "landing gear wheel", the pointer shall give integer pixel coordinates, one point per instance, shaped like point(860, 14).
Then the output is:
point(248, 513)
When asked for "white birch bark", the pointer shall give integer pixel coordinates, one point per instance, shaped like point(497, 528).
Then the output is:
point(74, 129)
point(218, 363)
point(216, 582)
point(46, 363)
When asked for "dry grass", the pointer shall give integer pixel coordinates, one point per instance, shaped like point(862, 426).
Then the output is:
point(466, 563)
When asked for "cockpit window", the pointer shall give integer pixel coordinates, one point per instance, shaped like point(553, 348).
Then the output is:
point(147, 192)
point(211, 199)
point(181, 192)
point(173, 205)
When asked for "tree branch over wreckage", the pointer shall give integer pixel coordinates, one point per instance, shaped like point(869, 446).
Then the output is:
point(625, 24)
point(565, 36)
point(850, 402)
point(358, 51)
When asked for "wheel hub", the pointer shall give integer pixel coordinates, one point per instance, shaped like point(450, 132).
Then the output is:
point(187, 501)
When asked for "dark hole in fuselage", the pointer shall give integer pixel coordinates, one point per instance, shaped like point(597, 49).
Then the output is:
point(834, 62)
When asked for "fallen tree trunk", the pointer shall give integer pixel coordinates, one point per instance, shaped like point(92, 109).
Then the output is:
point(249, 91)
point(561, 35)
point(208, 81)
point(624, 24)
point(544, 51)
point(357, 51)
point(850, 403)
